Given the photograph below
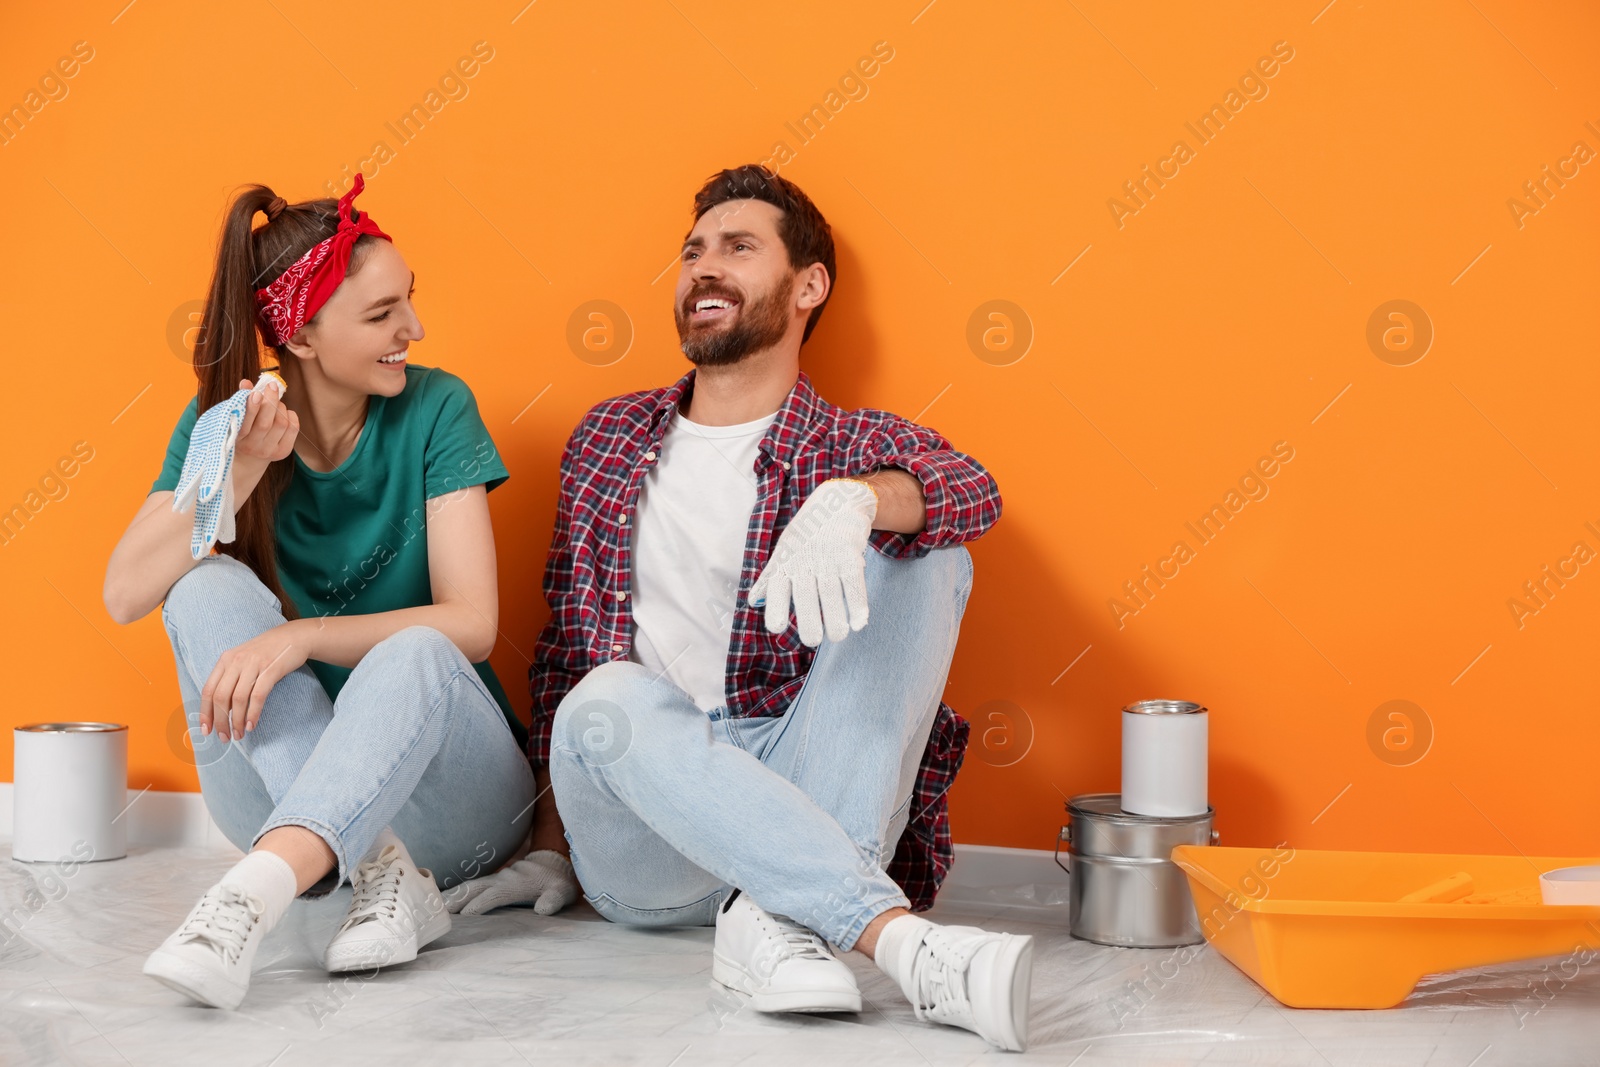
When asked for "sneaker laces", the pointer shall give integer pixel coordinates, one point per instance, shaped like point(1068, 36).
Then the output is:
point(376, 888)
point(939, 977)
point(787, 940)
point(223, 920)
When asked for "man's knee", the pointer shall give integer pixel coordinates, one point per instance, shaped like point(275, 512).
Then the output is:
point(615, 706)
point(963, 560)
point(663, 903)
point(959, 561)
point(608, 682)
point(593, 722)
point(947, 569)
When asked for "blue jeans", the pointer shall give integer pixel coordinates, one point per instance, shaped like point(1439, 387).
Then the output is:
point(667, 806)
point(414, 741)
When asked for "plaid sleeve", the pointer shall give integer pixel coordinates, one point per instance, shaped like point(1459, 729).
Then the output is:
point(963, 500)
point(924, 853)
point(558, 656)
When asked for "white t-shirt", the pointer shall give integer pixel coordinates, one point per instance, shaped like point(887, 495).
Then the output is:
point(688, 550)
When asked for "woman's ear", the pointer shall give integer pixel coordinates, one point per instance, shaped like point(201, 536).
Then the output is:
point(299, 345)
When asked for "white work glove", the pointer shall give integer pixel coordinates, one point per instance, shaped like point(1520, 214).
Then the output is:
point(820, 561)
point(206, 480)
point(544, 878)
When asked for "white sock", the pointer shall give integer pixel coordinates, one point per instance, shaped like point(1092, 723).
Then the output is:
point(897, 946)
point(269, 877)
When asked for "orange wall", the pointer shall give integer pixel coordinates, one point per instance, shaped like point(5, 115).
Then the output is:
point(1228, 313)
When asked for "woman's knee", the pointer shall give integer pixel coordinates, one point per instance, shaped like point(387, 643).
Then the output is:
point(417, 642)
point(215, 580)
point(409, 656)
point(403, 676)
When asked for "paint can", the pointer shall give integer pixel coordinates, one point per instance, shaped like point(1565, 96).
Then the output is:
point(1126, 891)
point(1164, 754)
point(70, 791)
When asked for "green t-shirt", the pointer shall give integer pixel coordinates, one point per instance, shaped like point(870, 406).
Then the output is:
point(354, 541)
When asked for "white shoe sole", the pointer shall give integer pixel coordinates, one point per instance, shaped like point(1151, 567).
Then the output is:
point(727, 973)
point(195, 981)
point(370, 955)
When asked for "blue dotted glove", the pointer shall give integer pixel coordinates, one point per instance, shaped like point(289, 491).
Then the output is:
point(206, 482)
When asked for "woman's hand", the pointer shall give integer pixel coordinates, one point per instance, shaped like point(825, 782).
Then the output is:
point(269, 427)
point(232, 698)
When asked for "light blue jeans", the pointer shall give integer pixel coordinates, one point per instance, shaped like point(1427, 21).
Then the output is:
point(667, 807)
point(414, 741)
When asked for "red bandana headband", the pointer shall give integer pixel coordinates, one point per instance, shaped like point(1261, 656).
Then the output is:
point(299, 292)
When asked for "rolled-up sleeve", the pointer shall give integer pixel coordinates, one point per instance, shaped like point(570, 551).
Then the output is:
point(962, 497)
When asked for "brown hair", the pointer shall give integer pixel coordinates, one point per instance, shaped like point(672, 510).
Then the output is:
point(228, 345)
point(805, 233)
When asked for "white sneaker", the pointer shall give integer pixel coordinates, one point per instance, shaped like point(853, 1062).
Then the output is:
point(209, 956)
point(781, 964)
point(395, 910)
point(967, 977)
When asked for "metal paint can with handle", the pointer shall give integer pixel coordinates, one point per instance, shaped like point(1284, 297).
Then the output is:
point(1126, 891)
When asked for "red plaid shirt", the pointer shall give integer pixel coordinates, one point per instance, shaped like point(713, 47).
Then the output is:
point(809, 442)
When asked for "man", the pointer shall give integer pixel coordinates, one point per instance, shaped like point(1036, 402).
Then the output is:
point(710, 763)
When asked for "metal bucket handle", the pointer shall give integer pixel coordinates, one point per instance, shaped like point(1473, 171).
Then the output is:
point(1066, 835)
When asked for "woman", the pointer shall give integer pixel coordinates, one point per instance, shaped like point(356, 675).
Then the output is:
point(332, 658)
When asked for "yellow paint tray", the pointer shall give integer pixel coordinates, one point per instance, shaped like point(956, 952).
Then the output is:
point(1329, 930)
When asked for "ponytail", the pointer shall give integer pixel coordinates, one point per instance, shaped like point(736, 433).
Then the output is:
point(228, 347)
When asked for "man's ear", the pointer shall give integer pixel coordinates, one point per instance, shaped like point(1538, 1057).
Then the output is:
point(811, 286)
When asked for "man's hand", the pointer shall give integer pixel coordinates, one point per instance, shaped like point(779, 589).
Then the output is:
point(234, 695)
point(543, 879)
point(820, 561)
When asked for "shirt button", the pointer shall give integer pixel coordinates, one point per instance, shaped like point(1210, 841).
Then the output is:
point(649, 455)
point(622, 594)
point(623, 520)
point(616, 648)
point(785, 464)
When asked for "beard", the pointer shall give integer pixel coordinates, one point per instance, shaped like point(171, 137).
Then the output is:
point(759, 324)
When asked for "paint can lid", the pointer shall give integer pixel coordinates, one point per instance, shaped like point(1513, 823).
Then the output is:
point(1165, 707)
point(1107, 808)
point(70, 727)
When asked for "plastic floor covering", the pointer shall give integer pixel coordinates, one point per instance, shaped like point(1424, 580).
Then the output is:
point(512, 987)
